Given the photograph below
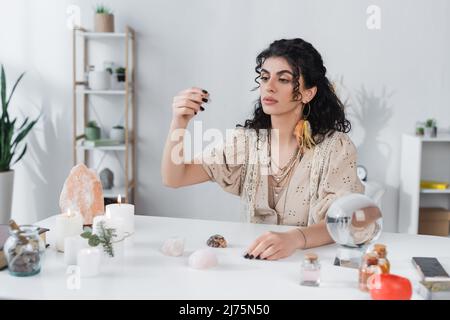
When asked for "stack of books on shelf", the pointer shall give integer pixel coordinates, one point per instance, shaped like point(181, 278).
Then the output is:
point(101, 143)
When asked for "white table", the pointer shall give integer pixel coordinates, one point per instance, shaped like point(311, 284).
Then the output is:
point(148, 274)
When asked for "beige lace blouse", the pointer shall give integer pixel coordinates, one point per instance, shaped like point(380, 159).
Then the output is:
point(331, 173)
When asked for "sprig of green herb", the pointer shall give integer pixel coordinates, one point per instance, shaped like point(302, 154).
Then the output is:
point(105, 238)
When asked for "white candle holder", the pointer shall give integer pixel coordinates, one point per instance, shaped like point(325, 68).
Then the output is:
point(124, 211)
point(72, 245)
point(88, 261)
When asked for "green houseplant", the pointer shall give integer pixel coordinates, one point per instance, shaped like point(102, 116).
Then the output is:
point(430, 128)
point(104, 19)
point(120, 73)
point(12, 148)
point(92, 131)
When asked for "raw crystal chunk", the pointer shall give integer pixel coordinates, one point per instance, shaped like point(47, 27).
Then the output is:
point(203, 259)
point(173, 247)
point(82, 192)
point(217, 241)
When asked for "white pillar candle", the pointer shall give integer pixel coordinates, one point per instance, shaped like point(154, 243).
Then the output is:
point(67, 225)
point(124, 211)
point(116, 223)
point(71, 247)
point(88, 261)
point(110, 222)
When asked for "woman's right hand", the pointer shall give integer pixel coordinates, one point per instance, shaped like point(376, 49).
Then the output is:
point(187, 103)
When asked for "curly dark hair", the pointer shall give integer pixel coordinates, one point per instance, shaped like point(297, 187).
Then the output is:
point(326, 114)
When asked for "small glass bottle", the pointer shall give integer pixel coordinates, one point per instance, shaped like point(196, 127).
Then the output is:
point(310, 271)
point(369, 267)
point(383, 262)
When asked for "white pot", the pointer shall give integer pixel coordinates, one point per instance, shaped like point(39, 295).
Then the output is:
point(115, 84)
point(429, 132)
point(6, 194)
point(117, 134)
point(99, 80)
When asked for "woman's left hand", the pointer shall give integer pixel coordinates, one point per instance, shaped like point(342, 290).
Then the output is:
point(275, 245)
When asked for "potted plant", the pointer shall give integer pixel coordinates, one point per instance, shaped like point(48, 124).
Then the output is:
point(119, 78)
point(117, 133)
point(430, 128)
point(120, 73)
point(92, 131)
point(420, 128)
point(104, 19)
point(11, 150)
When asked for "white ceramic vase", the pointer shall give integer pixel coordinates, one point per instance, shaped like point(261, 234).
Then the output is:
point(6, 195)
point(99, 80)
point(429, 132)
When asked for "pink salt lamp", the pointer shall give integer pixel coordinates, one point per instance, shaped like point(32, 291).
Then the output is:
point(82, 192)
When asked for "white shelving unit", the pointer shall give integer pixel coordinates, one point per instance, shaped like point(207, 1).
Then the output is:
point(81, 100)
point(422, 159)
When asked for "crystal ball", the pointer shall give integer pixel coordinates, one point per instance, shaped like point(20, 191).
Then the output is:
point(351, 226)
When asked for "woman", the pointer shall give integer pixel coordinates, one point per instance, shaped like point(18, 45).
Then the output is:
point(301, 141)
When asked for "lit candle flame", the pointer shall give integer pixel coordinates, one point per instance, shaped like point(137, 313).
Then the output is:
point(69, 213)
point(119, 199)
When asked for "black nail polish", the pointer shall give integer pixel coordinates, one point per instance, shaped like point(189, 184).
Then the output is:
point(204, 91)
point(247, 256)
point(251, 256)
point(195, 112)
point(258, 258)
point(204, 100)
point(201, 108)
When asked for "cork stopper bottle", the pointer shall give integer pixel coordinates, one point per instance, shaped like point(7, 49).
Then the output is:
point(369, 267)
point(383, 262)
point(310, 270)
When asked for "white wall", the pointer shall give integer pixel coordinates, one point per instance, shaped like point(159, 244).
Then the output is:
point(393, 77)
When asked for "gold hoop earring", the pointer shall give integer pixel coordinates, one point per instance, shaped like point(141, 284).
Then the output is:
point(309, 110)
point(303, 132)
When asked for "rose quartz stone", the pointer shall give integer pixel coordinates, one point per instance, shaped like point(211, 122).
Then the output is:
point(203, 259)
point(173, 247)
point(82, 192)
